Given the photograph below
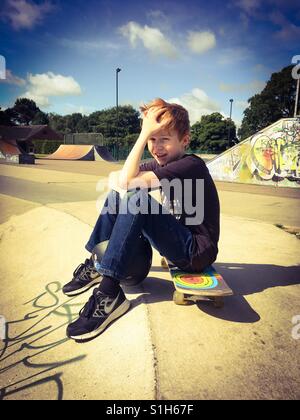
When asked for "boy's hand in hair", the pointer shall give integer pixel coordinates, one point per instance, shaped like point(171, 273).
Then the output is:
point(152, 121)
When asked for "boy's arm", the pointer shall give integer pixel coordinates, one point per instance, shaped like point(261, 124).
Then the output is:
point(144, 179)
point(131, 166)
point(130, 176)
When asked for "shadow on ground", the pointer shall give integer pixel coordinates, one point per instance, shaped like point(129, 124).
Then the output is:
point(243, 279)
point(39, 324)
point(48, 313)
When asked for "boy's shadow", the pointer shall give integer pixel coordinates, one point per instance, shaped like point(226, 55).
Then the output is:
point(243, 279)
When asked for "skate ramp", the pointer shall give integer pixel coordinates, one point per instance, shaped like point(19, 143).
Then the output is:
point(8, 149)
point(81, 152)
point(73, 152)
point(102, 153)
point(269, 157)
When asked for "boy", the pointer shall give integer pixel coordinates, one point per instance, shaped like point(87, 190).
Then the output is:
point(190, 243)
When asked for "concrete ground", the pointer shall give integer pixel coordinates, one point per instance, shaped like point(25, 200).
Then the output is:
point(249, 349)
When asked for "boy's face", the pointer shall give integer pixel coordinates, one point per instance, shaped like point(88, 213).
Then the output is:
point(165, 146)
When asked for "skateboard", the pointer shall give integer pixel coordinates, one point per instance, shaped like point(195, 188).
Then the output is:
point(193, 287)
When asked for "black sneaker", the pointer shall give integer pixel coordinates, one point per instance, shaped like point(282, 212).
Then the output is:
point(97, 314)
point(84, 277)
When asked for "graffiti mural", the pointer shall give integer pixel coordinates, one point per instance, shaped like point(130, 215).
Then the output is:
point(270, 157)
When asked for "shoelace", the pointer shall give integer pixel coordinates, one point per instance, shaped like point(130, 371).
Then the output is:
point(90, 306)
point(83, 270)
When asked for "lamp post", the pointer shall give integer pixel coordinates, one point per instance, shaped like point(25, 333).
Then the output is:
point(117, 104)
point(230, 100)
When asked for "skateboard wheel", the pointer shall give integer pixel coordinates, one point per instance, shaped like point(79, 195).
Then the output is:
point(179, 298)
point(218, 303)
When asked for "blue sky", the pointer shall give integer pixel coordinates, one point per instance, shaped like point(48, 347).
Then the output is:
point(64, 54)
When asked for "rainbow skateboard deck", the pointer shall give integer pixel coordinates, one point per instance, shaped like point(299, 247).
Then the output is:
point(208, 285)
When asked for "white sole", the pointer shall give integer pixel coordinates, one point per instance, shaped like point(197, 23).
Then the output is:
point(85, 288)
point(121, 310)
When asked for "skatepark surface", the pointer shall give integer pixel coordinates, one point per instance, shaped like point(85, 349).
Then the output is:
point(158, 350)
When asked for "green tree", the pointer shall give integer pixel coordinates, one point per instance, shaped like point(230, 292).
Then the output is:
point(24, 111)
point(40, 118)
point(5, 117)
point(83, 125)
point(115, 129)
point(57, 123)
point(276, 101)
point(72, 122)
point(129, 140)
point(211, 133)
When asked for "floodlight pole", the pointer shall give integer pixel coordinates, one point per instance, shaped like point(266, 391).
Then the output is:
point(117, 104)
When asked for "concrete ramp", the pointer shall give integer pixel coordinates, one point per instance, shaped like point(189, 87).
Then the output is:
point(8, 149)
point(269, 157)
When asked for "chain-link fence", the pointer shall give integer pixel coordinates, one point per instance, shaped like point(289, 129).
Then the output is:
point(84, 138)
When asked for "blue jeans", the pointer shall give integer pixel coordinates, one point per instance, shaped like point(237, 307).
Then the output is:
point(119, 224)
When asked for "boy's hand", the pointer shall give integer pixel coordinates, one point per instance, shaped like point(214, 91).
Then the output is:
point(151, 123)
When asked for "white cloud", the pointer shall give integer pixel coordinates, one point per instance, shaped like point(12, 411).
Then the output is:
point(234, 55)
point(197, 104)
point(288, 32)
point(254, 86)
point(11, 79)
point(89, 45)
point(255, 8)
point(159, 18)
point(152, 38)
point(24, 14)
point(200, 42)
point(42, 86)
point(41, 101)
point(260, 68)
point(72, 109)
point(249, 6)
point(241, 104)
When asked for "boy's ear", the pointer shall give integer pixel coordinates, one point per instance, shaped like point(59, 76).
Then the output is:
point(186, 141)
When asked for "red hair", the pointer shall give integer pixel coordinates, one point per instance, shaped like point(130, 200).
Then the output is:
point(175, 116)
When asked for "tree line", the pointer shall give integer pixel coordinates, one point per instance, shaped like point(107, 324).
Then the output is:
point(212, 133)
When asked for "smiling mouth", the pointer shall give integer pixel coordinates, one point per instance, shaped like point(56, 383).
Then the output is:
point(161, 156)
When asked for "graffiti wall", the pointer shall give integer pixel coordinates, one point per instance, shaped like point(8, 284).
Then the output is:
point(270, 157)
